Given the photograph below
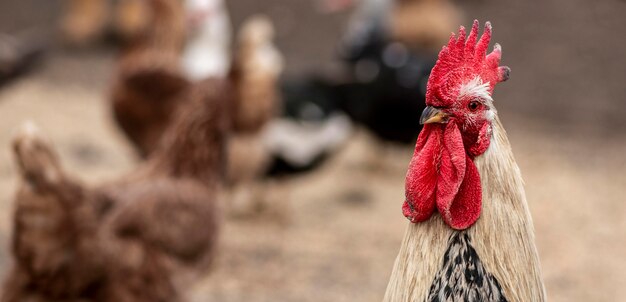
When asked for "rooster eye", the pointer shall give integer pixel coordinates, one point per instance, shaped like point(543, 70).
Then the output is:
point(473, 105)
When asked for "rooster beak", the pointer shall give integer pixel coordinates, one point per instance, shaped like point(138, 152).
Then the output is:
point(433, 115)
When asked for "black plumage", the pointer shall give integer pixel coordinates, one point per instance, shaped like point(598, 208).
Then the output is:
point(387, 87)
point(462, 277)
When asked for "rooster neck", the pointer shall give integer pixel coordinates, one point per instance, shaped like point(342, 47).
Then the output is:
point(502, 238)
point(504, 235)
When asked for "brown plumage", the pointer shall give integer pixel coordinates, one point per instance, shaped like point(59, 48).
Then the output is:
point(256, 68)
point(133, 239)
point(147, 90)
point(146, 94)
point(149, 81)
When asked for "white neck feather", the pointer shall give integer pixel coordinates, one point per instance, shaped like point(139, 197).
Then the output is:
point(504, 235)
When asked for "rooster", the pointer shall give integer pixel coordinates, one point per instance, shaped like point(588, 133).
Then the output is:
point(134, 239)
point(471, 235)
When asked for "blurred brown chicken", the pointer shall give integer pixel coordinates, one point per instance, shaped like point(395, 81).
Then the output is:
point(133, 239)
point(256, 69)
point(146, 93)
point(86, 21)
point(149, 80)
point(423, 24)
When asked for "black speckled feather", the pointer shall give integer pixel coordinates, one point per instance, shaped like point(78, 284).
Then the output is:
point(462, 277)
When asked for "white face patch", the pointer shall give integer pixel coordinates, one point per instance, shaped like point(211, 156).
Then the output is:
point(476, 89)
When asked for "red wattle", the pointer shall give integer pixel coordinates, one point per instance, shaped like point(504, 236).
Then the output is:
point(482, 141)
point(442, 174)
point(464, 210)
point(421, 178)
point(451, 165)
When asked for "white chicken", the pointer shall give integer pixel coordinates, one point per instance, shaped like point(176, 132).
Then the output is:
point(207, 53)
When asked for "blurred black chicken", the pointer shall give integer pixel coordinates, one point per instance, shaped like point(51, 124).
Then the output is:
point(19, 53)
point(382, 90)
point(387, 53)
point(387, 85)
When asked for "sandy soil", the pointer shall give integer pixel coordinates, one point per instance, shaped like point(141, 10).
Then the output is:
point(335, 232)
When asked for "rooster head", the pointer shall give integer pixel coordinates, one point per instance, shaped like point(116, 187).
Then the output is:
point(457, 128)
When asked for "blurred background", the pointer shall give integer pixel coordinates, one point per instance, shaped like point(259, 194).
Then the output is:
point(335, 228)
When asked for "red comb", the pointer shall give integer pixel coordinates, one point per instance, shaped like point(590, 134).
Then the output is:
point(461, 61)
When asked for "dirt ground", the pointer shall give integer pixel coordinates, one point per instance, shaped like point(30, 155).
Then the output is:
point(335, 232)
